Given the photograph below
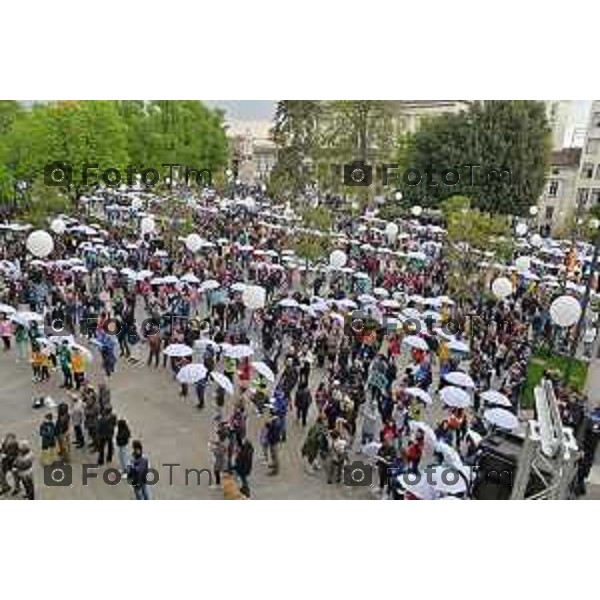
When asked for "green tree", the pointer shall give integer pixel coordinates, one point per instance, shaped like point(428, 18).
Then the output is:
point(509, 140)
point(470, 233)
point(309, 246)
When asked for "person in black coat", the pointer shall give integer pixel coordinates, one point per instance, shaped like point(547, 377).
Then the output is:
point(302, 402)
point(104, 433)
point(243, 465)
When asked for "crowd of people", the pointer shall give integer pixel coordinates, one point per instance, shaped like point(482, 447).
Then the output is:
point(377, 358)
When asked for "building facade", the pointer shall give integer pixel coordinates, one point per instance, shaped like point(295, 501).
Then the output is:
point(588, 184)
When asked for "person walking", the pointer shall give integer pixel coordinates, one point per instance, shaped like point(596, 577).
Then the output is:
point(137, 472)
point(243, 465)
point(303, 401)
point(23, 470)
point(77, 416)
point(105, 434)
point(63, 429)
point(48, 439)
point(122, 440)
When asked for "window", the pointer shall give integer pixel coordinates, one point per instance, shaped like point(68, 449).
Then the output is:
point(553, 189)
point(582, 196)
point(549, 213)
point(597, 171)
point(595, 196)
point(596, 119)
point(555, 171)
point(592, 146)
point(587, 171)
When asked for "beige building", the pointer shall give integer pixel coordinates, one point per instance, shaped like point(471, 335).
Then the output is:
point(253, 151)
point(558, 198)
point(588, 184)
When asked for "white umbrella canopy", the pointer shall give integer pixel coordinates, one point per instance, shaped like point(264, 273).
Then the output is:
point(379, 291)
point(446, 479)
point(87, 353)
point(455, 397)
point(239, 351)
point(495, 397)
point(460, 379)
point(7, 310)
point(419, 394)
point(192, 373)
point(458, 346)
point(25, 317)
point(223, 382)
point(288, 303)
point(367, 299)
point(238, 287)
point(203, 343)
point(414, 341)
point(178, 350)
point(451, 456)
point(210, 284)
point(347, 304)
point(170, 279)
point(264, 370)
point(418, 487)
point(390, 304)
point(501, 418)
point(190, 278)
point(411, 313)
point(430, 436)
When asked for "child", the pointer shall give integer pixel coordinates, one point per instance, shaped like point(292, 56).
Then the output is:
point(45, 365)
point(37, 358)
point(48, 438)
point(78, 366)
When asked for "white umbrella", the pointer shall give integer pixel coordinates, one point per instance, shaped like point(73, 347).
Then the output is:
point(501, 418)
point(455, 397)
point(371, 449)
point(476, 437)
point(108, 269)
point(450, 455)
point(390, 304)
point(238, 287)
point(418, 487)
point(210, 284)
point(347, 303)
point(191, 373)
point(202, 343)
point(85, 351)
point(239, 351)
point(458, 346)
point(6, 309)
point(430, 436)
point(223, 382)
point(411, 313)
point(494, 397)
point(367, 299)
point(288, 303)
point(440, 477)
point(170, 279)
point(25, 317)
point(419, 394)
point(379, 291)
point(415, 342)
point(190, 278)
point(178, 350)
point(460, 379)
point(264, 370)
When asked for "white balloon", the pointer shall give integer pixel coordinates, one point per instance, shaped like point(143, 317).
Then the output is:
point(58, 226)
point(136, 203)
point(502, 287)
point(521, 229)
point(337, 259)
point(533, 210)
point(254, 296)
point(523, 263)
point(565, 311)
point(416, 210)
point(147, 225)
point(193, 242)
point(536, 240)
point(391, 231)
point(40, 243)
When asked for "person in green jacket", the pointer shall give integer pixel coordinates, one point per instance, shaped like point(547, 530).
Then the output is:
point(21, 342)
point(64, 355)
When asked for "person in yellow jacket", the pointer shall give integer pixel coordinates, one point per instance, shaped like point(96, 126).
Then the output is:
point(78, 366)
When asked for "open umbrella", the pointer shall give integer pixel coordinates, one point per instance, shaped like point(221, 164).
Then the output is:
point(455, 397)
point(367, 299)
point(223, 382)
point(451, 456)
point(170, 279)
point(419, 394)
point(264, 370)
point(25, 317)
point(239, 351)
point(430, 436)
point(460, 379)
point(6, 309)
point(414, 341)
point(497, 398)
point(379, 291)
point(238, 287)
point(203, 343)
point(210, 284)
point(501, 418)
point(178, 350)
point(417, 486)
point(446, 479)
point(288, 303)
point(190, 278)
point(87, 353)
point(458, 346)
point(191, 373)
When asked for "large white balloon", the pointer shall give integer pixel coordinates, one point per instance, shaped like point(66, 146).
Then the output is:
point(254, 297)
point(391, 231)
point(40, 243)
point(565, 311)
point(521, 229)
point(337, 259)
point(523, 263)
point(58, 226)
point(416, 210)
point(193, 242)
point(147, 225)
point(502, 287)
point(136, 203)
